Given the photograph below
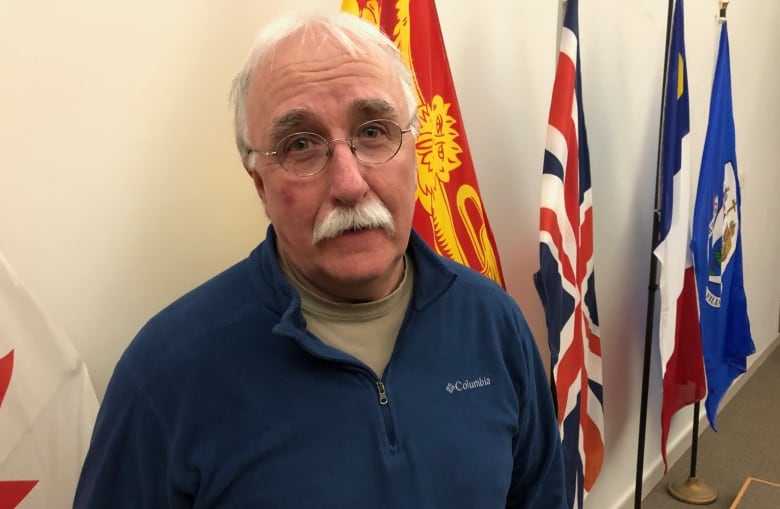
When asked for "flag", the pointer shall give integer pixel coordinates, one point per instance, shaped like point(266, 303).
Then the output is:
point(679, 339)
point(717, 245)
point(449, 213)
point(565, 279)
point(47, 405)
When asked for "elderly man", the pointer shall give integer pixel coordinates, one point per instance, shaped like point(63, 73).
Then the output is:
point(342, 364)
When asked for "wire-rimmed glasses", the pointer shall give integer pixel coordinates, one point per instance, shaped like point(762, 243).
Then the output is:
point(304, 154)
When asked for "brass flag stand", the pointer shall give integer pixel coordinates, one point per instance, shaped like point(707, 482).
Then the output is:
point(693, 490)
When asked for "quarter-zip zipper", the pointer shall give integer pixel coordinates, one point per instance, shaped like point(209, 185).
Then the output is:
point(384, 401)
point(387, 415)
point(380, 387)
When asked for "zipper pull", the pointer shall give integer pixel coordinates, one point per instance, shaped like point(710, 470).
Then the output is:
point(380, 387)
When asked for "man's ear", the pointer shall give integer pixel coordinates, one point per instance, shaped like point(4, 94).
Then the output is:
point(257, 179)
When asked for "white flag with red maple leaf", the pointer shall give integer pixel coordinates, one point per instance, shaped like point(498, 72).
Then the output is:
point(47, 404)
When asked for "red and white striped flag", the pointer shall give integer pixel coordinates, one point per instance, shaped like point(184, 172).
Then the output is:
point(565, 280)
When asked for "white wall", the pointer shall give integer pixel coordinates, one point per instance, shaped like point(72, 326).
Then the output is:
point(120, 187)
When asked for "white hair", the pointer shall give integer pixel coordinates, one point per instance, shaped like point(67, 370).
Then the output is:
point(370, 214)
point(357, 37)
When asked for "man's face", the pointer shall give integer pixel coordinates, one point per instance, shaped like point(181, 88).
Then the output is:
point(321, 89)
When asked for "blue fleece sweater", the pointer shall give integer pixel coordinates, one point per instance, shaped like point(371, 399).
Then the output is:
point(225, 400)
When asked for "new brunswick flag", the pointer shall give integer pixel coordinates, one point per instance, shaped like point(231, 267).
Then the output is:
point(449, 214)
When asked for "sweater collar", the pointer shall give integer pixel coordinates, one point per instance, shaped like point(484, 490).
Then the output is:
point(432, 277)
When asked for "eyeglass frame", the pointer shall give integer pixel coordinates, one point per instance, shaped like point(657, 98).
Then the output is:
point(329, 153)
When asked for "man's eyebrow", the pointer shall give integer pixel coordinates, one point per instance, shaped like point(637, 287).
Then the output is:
point(374, 108)
point(291, 121)
point(287, 123)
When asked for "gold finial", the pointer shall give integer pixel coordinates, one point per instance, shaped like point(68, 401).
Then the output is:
point(723, 5)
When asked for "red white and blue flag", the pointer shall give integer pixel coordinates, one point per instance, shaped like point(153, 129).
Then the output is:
point(565, 280)
point(717, 245)
point(679, 340)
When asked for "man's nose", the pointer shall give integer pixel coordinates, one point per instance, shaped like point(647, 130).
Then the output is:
point(347, 183)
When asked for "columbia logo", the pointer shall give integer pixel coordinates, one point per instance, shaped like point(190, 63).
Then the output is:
point(465, 385)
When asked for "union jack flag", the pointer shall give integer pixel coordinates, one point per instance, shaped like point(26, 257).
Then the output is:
point(565, 279)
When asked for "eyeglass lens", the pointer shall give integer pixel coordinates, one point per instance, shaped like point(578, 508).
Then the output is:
point(374, 142)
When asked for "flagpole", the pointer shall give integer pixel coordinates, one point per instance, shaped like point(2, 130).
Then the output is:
point(652, 286)
point(640, 454)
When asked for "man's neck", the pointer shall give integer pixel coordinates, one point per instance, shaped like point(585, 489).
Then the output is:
point(350, 292)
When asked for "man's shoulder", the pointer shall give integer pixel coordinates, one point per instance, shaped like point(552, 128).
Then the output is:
point(436, 271)
point(231, 303)
point(470, 284)
point(472, 278)
point(209, 303)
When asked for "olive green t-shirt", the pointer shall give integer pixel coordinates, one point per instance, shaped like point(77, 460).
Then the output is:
point(365, 330)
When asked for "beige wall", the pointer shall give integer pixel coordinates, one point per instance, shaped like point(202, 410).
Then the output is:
point(120, 187)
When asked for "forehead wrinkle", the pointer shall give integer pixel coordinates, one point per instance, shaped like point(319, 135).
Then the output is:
point(292, 120)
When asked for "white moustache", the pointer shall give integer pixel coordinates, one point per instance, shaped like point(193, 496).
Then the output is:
point(340, 220)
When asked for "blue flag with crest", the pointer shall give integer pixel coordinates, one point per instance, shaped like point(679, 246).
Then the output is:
point(717, 245)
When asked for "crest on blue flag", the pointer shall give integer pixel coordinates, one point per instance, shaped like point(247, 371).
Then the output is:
point(723, 234)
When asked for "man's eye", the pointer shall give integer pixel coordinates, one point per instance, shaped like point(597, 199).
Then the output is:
point(301, 142)
point(372, 131)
